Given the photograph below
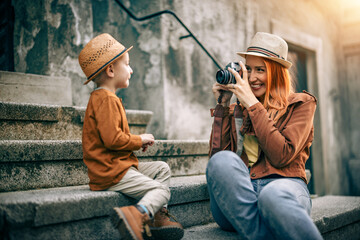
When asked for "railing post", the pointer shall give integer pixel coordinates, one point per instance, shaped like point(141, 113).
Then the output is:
point(178, 20)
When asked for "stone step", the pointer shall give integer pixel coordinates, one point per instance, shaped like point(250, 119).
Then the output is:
point(32, 164)
point(337, 217)
point(78, 213)
point(32, 88)
point(25, 121)
point(209, 231)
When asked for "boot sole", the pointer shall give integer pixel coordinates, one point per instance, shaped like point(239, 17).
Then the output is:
point(119, 221)
point(165, 233)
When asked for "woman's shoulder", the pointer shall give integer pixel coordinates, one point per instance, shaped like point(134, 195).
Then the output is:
point(304, 96)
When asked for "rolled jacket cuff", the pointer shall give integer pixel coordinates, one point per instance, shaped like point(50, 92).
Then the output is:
point(255, 109)
point(136, 139)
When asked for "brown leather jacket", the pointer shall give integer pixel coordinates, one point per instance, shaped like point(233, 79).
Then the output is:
point(284, 147)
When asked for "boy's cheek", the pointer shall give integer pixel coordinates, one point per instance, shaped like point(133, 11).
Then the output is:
point(123, 84)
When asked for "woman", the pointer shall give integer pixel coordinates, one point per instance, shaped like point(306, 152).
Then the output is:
point(262, 194)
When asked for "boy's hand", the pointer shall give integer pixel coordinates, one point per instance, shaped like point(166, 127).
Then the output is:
point(147, 140)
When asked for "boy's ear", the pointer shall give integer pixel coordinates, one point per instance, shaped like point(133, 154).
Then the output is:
point(110, 71)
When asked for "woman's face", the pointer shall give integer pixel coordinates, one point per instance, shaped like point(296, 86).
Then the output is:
point(257, 75)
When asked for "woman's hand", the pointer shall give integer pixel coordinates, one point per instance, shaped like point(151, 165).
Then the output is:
point(242, 89)
point(226, 95)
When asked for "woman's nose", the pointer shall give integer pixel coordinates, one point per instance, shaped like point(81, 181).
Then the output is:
point(251, 75)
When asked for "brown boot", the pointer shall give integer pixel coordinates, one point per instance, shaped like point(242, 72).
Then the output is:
point(163, 229)
point(130, 221)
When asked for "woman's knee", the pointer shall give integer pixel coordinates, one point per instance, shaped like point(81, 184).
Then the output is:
point(274, 195)
point(222, 162)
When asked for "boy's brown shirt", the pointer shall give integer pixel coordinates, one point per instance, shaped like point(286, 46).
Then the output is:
point(107, 142)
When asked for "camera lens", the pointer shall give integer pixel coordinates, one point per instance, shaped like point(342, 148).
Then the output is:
point(224, 77)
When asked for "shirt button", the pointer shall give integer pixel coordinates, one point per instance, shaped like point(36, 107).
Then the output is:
point(253, 175)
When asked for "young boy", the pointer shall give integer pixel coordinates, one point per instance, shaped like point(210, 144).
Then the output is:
point(108, 147)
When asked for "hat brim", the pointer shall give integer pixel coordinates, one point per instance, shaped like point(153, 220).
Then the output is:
point(107, 64)
point(283, 62)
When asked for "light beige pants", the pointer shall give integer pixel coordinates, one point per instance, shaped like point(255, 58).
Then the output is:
point(149, 184)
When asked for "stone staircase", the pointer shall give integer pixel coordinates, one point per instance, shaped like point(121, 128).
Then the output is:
point(31, 121)
point(34, 164)
point(43, 191)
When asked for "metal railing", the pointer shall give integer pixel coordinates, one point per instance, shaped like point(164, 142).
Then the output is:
point(156, 14)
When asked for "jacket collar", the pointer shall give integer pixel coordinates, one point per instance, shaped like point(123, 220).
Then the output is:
point(300, 97)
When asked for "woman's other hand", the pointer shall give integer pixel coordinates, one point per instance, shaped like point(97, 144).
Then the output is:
point(226, 94)
point(241, 88)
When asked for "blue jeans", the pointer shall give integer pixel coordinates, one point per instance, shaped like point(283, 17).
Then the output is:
point(268, 208)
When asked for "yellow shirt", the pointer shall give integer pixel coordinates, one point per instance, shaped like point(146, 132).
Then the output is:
point(251, 147)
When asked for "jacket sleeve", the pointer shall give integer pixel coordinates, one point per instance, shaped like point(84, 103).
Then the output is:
point(282, 147)
point(221, 134)
point(109, 121)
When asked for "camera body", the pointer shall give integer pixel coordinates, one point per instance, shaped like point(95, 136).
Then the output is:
point(223, 76)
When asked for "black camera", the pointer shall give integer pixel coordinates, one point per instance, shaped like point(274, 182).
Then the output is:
point(226, 77)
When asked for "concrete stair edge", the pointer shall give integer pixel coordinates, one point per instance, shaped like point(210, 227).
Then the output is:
point(331, 214)
point(33, 164)
point(26, 121)
point(101, 227)
point(53, 112)
point(65, 208)
point(331, 211)
point(36, 208)
point(37, 164)
point(44, 150)
point(25, 87)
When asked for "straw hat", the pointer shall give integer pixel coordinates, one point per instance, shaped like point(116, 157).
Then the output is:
point(99, 53)
point(269, 46)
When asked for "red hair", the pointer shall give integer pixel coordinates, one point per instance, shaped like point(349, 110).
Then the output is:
point(278, 88)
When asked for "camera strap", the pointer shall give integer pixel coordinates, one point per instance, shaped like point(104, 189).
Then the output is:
point(217, 129)
point(220, 97)
point(238, 119)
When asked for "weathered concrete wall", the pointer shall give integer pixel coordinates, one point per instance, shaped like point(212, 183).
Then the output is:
point(146, 90)
point(173, 77)
point(48, 36)
point(224, 27)
point(349, 85)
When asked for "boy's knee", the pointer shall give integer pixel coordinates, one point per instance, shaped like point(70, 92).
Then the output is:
point(164, 167)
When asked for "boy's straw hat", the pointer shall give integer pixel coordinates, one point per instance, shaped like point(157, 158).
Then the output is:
point(99, 53)
point(269, 46)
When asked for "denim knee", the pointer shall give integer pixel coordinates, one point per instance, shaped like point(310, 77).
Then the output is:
point(225, 226)
point(271, 195)
point(222, 162)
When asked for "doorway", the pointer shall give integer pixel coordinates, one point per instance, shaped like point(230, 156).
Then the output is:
point(6, 36)
point(298, 73)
